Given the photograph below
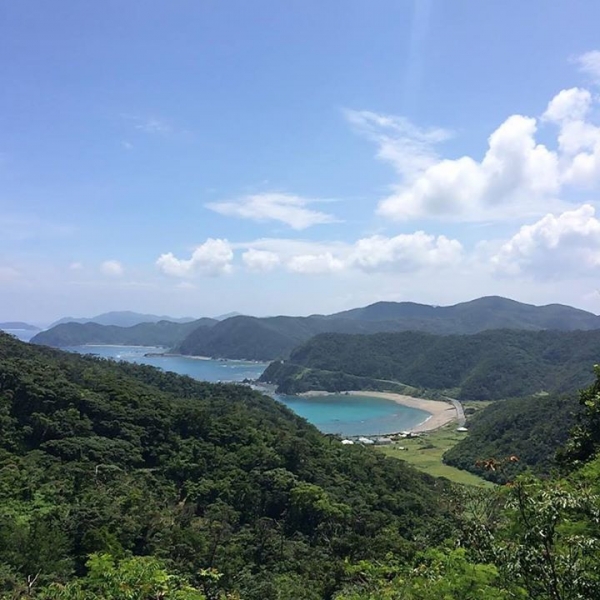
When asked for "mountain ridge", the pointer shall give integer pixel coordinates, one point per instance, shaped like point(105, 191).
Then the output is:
point(269, 338)
point(121, 318)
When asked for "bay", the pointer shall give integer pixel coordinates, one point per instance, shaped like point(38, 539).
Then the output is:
point(332, 413)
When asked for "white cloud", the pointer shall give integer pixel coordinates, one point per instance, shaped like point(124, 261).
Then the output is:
point(589, 63)
point(569, 105)
point(286, 208)
point(407, 147)
point(517, 176)
point(76, 266)
point(405, 252)
point(112, 268)
point(514, 173)
point(212, 258)
point(260, 260)
point(562, 245)
point(401, 253)
point(579, 140)
point(315, 264)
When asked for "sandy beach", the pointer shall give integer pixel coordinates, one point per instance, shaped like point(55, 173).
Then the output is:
point(441, 412)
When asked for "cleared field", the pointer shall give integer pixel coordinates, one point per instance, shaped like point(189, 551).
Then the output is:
point(425, 453)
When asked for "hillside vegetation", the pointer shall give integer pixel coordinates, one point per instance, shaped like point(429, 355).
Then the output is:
point(122, 482)
point(530, 429)
point(275, 337)
point(106, 458)
point(161, 333)
point(485, 366)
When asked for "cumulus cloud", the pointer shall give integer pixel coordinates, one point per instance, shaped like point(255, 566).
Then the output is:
point(285, 208)
point(315, 264)
point(564, 245)
point(112, 268)
point(579, 140)
point(260, 260)
point(517, 176)
point(405, 252)
point(212, 258)
point(401, 253)
point(514, 171)
point(589, 63)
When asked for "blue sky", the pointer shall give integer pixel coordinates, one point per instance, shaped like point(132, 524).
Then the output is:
point(199, 157)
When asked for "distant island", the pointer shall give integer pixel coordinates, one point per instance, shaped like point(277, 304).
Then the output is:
point(123, 318)
point(18, 325)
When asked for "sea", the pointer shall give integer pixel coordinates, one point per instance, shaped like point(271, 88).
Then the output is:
point(333, 413)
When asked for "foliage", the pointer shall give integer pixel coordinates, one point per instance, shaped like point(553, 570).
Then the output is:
point(98, 457)
point(585, 438)
point(275, 337)
point(136, 578)
point(532, 429)
point(484, 366)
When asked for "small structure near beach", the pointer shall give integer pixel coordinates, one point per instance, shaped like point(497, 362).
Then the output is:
point(366, 441)
point(347, 442)
point(382, 440)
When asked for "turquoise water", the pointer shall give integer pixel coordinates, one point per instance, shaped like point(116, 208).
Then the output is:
point(354, 415)
point(206, 370)
point(334, 413)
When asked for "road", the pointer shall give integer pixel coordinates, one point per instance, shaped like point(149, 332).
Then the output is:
point(460, 413)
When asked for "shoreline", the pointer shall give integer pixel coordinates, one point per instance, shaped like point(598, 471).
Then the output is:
point(440, 413)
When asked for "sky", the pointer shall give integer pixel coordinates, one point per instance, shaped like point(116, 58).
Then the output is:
point(197, 157)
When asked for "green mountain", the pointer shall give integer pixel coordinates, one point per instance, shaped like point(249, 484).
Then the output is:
point(529, 429)
point(162, 333)
point(275, 337)
point(123, 318)
point(490, 312)
point(224, 485)
point(484, 366)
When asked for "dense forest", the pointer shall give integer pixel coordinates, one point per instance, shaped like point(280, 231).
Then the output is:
point(99, 457)
point(531, 428)
point(485, 366)
point(268, 338)
point(123, 482)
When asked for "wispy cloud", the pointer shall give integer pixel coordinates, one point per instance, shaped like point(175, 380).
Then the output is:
point(408, 148)
point(153, 126)
point(285, 208)
point(589, 63)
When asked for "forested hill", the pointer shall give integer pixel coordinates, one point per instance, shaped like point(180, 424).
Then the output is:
point(484, 366)
point(269, 338)
point(225, 485)
point(162, 333)
point(275, 337)
point(530, 429)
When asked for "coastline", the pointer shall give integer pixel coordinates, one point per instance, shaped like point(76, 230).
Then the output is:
point(440, 413)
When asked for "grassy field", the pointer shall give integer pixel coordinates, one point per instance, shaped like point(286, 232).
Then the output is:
point(425, 453)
